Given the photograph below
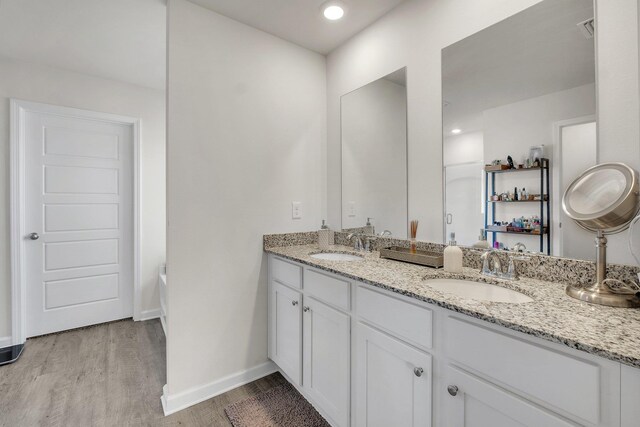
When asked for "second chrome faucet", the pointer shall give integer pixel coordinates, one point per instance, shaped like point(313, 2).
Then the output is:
point(362, 242)
point(493, 255)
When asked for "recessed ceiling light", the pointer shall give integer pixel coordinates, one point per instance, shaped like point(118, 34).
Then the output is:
point(333, 12)
point(456, 131)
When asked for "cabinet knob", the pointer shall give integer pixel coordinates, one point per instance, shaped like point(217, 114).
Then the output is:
point(453, 390)
point(305, 308)
point(418, 371)
point(294, 303)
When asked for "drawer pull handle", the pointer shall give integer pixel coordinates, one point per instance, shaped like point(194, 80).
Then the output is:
point(418, 371)
point(294, 303)
point(453, 390)
point(305, 308)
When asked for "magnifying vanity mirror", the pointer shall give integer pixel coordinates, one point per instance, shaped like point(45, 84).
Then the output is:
point(604, 199)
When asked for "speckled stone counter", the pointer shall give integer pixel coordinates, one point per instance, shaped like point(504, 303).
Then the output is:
point(612, 333)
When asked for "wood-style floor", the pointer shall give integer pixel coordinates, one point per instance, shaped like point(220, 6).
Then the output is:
point(106, 375)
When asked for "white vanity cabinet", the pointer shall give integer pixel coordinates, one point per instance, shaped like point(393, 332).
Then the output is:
point(310, 335)
point(478, 403)
point(393, 382)
point(562, 384)
point(630, 395)
point(368, 357)
point(285, 330)
point(327, 358)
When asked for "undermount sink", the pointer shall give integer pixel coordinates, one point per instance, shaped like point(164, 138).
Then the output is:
point(478, 291)
point(336, 256)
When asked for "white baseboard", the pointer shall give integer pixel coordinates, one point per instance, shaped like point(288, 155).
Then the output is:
point(149, 314)
point(6, 342)
point(179, 401)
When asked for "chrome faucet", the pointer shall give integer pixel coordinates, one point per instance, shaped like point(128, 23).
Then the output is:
point(497, 264)
point(357, 245)
point(369, 242)
point(362, 243)
point(511, 273)
point(519, 247)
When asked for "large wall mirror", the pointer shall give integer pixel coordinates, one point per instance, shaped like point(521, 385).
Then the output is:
point(374, 156)
point(520, 96)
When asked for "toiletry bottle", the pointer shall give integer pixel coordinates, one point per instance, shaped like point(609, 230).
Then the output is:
point(325, 236)
point(453, 256)
point(482, 241)
point(515, 194)
point(369, 228)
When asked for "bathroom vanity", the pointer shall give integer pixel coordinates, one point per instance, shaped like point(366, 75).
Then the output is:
point(369, 343)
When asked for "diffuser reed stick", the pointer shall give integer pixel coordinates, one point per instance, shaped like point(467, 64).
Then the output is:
point(414, 233)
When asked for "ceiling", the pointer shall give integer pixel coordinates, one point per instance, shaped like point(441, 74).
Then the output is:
point(301, 21)
point(533, 53)
point(122, 40)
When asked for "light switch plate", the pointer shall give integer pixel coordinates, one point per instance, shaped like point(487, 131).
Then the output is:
point(296, 210)
point(351, 209)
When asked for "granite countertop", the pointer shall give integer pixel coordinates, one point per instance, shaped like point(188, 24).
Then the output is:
point(612, 333)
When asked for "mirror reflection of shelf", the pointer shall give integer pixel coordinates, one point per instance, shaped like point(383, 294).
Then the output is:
point(542, 231)
point(518, 201)
point(514, 170)
point(532, 232)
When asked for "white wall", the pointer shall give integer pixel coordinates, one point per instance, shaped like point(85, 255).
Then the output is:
point(467, 147)
point(246, 130)
point(413, 35)
point(511, 129)
point(618, 101)
point(47, 85)
point(374, 157)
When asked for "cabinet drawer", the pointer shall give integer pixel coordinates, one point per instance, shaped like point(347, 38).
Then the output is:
point(286, 272)
point(404, 320)
point(327, 288)
point(557, 380)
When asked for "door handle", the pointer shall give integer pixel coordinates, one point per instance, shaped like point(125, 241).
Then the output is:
point(449, 218)
point(34, 236)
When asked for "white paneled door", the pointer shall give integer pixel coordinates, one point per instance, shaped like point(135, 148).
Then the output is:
point(78, 222)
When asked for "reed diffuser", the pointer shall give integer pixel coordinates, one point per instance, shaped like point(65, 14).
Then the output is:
point(414, 233)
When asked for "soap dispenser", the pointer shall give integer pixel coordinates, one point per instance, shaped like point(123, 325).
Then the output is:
point(453, 256)
point(325, 236)
point(482, 241)
point(369, 228)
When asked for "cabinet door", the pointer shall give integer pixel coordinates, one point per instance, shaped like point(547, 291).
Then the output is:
point(472, 402)
point(285, 330)
point(326, 355)
point(630, 410)
point(393, 382)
